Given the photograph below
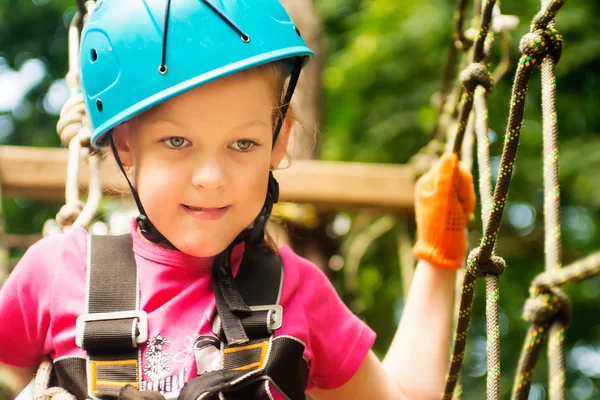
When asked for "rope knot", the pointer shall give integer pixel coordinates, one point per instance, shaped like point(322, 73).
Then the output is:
point(68, 213)
point(73, 121)
point(476, 74)
point(544, 306)
point(56, 393)
point(542, 41)
point(494, 266)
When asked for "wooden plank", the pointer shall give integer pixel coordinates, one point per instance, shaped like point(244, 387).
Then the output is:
point(40, 173)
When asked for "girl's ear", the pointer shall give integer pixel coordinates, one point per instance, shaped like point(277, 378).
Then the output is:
point(280, 148)
point(122, 137)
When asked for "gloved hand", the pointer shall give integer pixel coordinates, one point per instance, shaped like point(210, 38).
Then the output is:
point(444, 202)
point(130, 393)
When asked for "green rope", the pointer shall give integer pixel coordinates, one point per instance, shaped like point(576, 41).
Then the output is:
point(578, 271)
point(544, 44)
point(556, 355)
point(477, 79)
point(548, 306)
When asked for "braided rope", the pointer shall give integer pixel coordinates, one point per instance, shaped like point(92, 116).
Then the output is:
point(41, 382)
point(481, 261)
point(476, 78)
point(74, 131)
point(492, 285)
point(556, 356)
point(552, 301)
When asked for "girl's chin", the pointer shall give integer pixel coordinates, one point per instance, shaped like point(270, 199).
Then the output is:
point(201, 247)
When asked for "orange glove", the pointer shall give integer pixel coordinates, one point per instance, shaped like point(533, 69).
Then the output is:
point(444, 202)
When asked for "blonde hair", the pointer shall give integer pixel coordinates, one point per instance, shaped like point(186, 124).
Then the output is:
point(277, 73)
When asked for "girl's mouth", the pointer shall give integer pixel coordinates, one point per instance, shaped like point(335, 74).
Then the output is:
point(206, 213)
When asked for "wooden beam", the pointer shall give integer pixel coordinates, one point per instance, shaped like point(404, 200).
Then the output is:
point(40, 173)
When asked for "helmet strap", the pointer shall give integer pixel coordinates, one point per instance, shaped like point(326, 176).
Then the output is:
point(147, 229)
point(288, 96)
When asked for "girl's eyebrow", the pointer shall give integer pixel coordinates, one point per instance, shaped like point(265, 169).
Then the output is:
point(245, 125)
point(249, 124)
point(166, 119)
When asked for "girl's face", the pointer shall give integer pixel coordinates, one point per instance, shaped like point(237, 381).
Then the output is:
point(201, 160)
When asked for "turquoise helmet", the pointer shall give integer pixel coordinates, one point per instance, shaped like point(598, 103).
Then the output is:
point(138, 53)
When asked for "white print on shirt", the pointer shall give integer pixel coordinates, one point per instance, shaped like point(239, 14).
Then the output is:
point(170, 385)
point(156, 359)
point(156, 368)
point(182, 356)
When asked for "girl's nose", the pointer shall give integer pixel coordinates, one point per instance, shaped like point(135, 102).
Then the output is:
point(209, 174)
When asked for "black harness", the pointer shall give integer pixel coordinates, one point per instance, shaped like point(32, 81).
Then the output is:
point(114, 327)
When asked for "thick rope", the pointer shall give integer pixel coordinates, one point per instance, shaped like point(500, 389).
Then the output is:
point(556, 355)
point(41, 391)
point(74, 131)
point(476, 77)
point(533, 46)
point(553, 322)
point(492, 285)
point(577, 271)
point(459, 42)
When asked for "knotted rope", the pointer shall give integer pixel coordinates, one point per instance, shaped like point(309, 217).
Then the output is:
point(547, 309)
point(543, 40)
point(74, 131)
point(547, 306)
point(476, 78)
point(41, 391)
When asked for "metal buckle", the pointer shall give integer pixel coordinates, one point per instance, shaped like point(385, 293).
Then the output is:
point(277, 317)
point(140, 315)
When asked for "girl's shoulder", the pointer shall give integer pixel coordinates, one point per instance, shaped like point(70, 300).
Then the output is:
point(302, 277)
point(65, 249)
point(337, 341)
point(297, 267)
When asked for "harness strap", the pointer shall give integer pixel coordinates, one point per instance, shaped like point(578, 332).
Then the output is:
point(113, 326)
point(259, 282)
point(250, 370)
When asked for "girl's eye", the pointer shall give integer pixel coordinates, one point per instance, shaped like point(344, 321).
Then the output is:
point(175, 142)
point(243, 145)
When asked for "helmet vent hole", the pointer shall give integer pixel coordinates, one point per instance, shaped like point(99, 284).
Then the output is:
point(162, 69)
point(245, 38)
point(99, 105)
point(297, 31)
point(93, 55)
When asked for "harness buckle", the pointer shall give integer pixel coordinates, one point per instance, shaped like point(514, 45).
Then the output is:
point(140, 315)
point(276, 317)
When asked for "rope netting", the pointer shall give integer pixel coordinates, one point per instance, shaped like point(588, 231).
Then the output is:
point(547, 309)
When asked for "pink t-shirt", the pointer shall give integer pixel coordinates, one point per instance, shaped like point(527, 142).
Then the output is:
point(45, 294)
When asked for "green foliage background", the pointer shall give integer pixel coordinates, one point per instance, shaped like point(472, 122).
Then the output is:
point(384, 60)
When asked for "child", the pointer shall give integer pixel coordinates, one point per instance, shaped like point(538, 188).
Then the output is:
point(193, 101)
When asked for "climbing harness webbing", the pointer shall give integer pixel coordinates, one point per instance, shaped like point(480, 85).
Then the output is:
point(114, 327)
